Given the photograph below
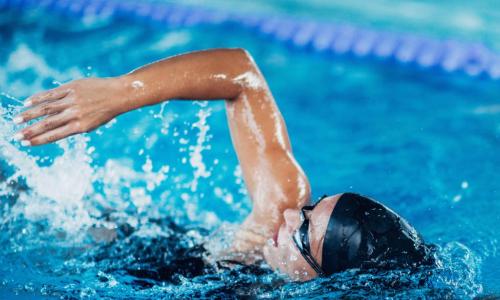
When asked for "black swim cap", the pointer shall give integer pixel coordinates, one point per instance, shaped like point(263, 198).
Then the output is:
point(363, 233)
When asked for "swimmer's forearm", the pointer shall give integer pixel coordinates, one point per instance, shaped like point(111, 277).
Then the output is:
point(85, 104)
point(200, 75)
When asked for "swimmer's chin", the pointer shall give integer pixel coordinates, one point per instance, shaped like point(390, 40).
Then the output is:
point(271, 256)
point(268, 253)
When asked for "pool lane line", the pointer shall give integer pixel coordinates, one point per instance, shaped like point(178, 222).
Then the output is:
point(450, 56)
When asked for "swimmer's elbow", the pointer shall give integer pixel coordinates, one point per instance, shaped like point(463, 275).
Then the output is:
point(245, 58)
point(247, 55)
point(242, 53)
point(243, 73)
point(248, 76)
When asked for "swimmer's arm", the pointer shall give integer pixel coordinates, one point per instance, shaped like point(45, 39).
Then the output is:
point(83, 105)
point(273, 178)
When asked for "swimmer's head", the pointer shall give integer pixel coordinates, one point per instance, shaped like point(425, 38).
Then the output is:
point(342, 232)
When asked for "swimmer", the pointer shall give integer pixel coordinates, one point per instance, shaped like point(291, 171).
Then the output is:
point(304, 241)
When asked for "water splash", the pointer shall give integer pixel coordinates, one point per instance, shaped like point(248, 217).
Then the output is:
point(195, 154)
point(55, 249)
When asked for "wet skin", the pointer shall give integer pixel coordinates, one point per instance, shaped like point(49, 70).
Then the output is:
point(283, 254)
point(275, 181)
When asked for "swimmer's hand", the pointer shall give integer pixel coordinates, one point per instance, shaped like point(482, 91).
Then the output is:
point(77, 107)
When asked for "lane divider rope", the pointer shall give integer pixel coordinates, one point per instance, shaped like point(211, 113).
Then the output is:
point(450, 56)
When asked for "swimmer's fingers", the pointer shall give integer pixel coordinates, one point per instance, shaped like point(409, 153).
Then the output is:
point(47, 108)
point(47, 124)
point(49, 95)
point(55, 134)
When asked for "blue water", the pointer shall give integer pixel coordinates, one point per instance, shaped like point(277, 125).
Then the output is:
point(424, 143)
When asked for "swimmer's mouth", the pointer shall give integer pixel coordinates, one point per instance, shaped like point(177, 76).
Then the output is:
point(275, 237)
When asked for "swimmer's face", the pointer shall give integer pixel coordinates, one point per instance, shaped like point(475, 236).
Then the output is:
point(284, 256)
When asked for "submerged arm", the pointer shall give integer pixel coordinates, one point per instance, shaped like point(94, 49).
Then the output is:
point(273, 178)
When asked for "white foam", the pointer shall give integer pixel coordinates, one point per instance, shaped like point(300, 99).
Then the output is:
point(56, 191)
point(62, 193)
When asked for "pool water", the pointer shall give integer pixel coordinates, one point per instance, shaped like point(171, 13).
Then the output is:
point(424, 143)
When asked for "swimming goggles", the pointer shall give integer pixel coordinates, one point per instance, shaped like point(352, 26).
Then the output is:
point(301, 238)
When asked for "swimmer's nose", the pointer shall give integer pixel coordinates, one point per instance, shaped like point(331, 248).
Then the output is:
point(292, 218)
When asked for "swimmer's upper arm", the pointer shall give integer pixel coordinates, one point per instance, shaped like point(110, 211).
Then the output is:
point(274, 179)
